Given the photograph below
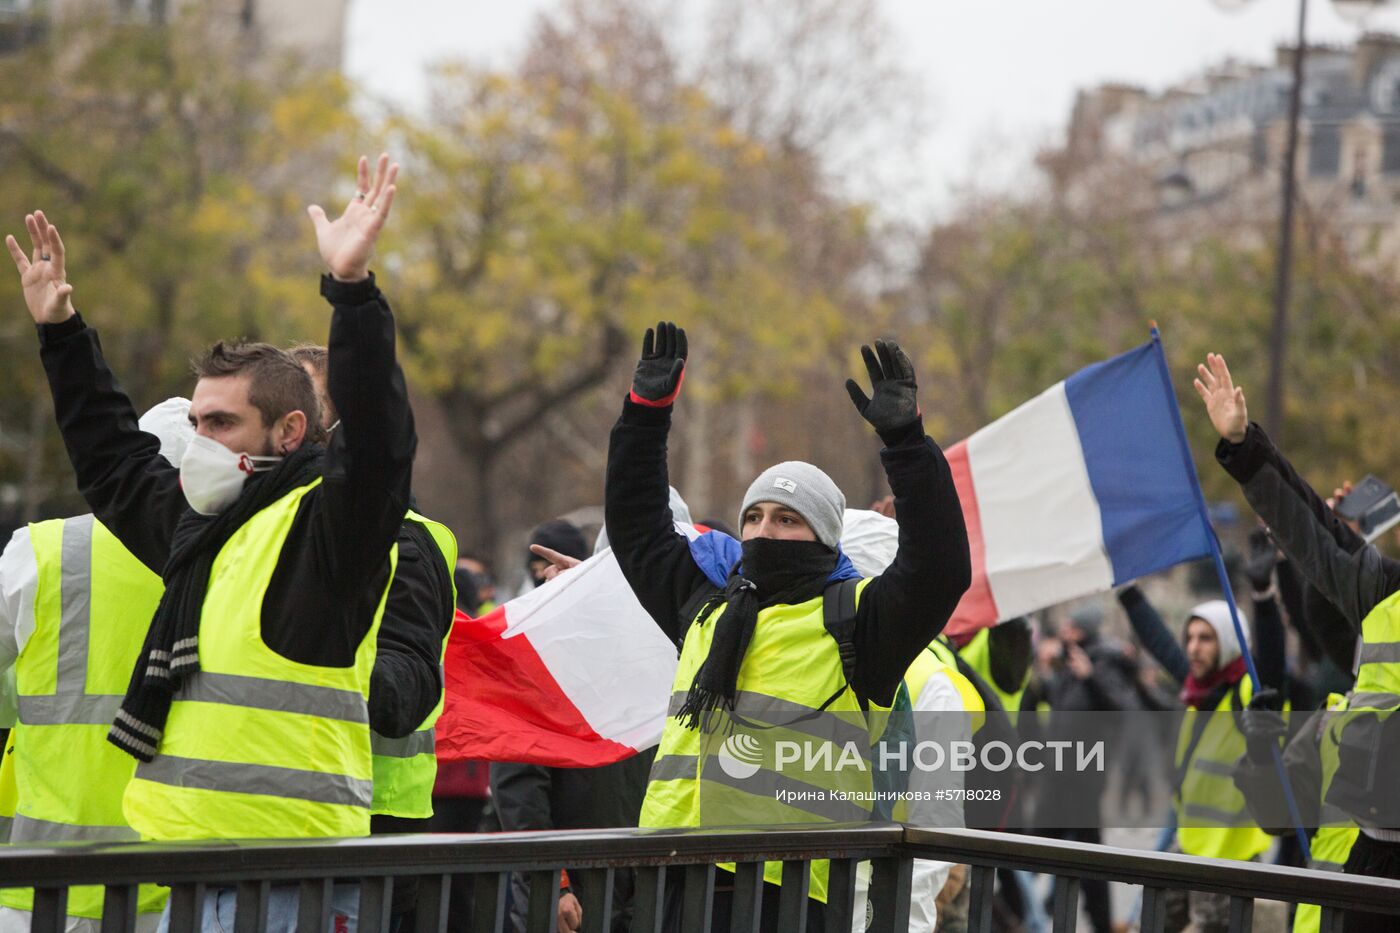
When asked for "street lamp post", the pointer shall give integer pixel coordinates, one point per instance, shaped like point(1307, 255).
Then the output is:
point(1357, 11)
point(1283, 261)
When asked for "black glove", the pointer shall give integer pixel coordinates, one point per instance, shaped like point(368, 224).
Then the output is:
point(895, 405)
point(660, 371)
point(1263, 725)
point(1263, 555)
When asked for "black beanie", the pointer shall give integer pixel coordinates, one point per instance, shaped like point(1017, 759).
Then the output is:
point(560, 536)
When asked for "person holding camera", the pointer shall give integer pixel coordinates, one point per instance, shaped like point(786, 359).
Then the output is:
point(1365, 586)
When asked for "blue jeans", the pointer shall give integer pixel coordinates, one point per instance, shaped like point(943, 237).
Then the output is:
point(220, 906)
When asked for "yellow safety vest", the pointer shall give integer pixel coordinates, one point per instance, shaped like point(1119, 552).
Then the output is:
point(1336, 832)
point(947, 657)
point(1212, 818)
point(405, 769)
point(977, 654)
point(256, 745)
point(92, 605)
point(735, 778)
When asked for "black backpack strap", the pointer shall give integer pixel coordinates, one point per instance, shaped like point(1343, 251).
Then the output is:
point(839, 616)
point(701, 603)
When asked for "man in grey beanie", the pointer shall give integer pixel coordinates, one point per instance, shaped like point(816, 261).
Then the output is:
point(756, 657)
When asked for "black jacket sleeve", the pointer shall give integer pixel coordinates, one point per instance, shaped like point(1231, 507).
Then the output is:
point(654, 557)
point(407, 679)
point(1318, 543)
point(904, 608)
point(1270, 651)
point(1263, 794)
point(369, 461)
point(1153, 634)
point(130, 487)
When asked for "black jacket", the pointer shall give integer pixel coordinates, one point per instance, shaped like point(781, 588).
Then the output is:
point(334, 564)
point(901, 610)
point(1352, 576)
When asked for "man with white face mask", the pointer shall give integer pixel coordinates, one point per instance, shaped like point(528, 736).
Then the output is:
point(247, 706)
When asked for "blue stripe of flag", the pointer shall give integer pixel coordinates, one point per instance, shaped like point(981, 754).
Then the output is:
point(1146, 492)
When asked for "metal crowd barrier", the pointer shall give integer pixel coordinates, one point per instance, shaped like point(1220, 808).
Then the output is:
point(486, 861)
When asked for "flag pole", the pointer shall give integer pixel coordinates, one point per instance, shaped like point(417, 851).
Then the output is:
point(1224, 576)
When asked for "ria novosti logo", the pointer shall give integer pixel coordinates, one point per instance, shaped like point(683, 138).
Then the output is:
point(740, 756)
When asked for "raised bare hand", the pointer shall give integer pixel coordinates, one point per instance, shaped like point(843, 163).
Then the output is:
point(42, 275)
point(346, 244)
point(1224, 400)
point(558, 563)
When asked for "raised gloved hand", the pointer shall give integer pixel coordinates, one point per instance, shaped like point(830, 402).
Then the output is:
point(1263, 725)
point(893, 404)
point(1263, 555)
point(661, 370)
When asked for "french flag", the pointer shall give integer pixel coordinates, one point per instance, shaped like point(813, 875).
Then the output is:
point(573, 673)
point(1088, 485)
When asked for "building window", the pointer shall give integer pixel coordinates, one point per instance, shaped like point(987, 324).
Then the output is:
point(1390, 150)
point(1324, 151)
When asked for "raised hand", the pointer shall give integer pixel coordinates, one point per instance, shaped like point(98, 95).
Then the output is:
point(42, 275)
point(558, 563)
point(1224, 400)
point(661, 370)
point(894, 402)
point(346, 244)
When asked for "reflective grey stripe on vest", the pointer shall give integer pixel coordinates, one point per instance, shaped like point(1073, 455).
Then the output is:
point(75, 586)
point(1318, 864)
point(767, 784)
point(264, 780)
point(69, 710)
point(1220, 768)
point(761, 784)
point(1371, 701)
point(774, 711)
point(277, 695)
point(1335, 816)
point(1382, 652)
point(673, 768)
point(422, 742)
point(1216, 817)
point(28, 829)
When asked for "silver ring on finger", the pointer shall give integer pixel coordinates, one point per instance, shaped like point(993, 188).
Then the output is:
point(44, 257)
point(361, 195)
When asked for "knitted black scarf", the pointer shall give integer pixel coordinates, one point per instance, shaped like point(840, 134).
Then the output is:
point(171, 650)
point(773, 572)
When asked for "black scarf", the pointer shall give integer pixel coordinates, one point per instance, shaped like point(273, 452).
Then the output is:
point(171, 650)
point(773, 572)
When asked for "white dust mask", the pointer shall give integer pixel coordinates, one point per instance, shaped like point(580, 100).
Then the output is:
point(212, 476)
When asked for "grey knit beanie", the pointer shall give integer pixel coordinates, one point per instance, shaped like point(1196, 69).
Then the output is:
point(807, 491)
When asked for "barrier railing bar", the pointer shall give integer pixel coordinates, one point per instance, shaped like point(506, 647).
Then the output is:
point(1065, 917)
point(792, 897)
point(119, 909)
point(250, 907)
point(594, 890)
point(489, 902)
point(979, 911)
point(649, 899)
point(50, 908)
point(747, 913)
point(891, 881)
point(430, 909)
point(697, 898)
point(186, 907)
point(1154, 910)
point(313, 904)
point(1241, 914)
point(544, 902)
point(841, 894)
